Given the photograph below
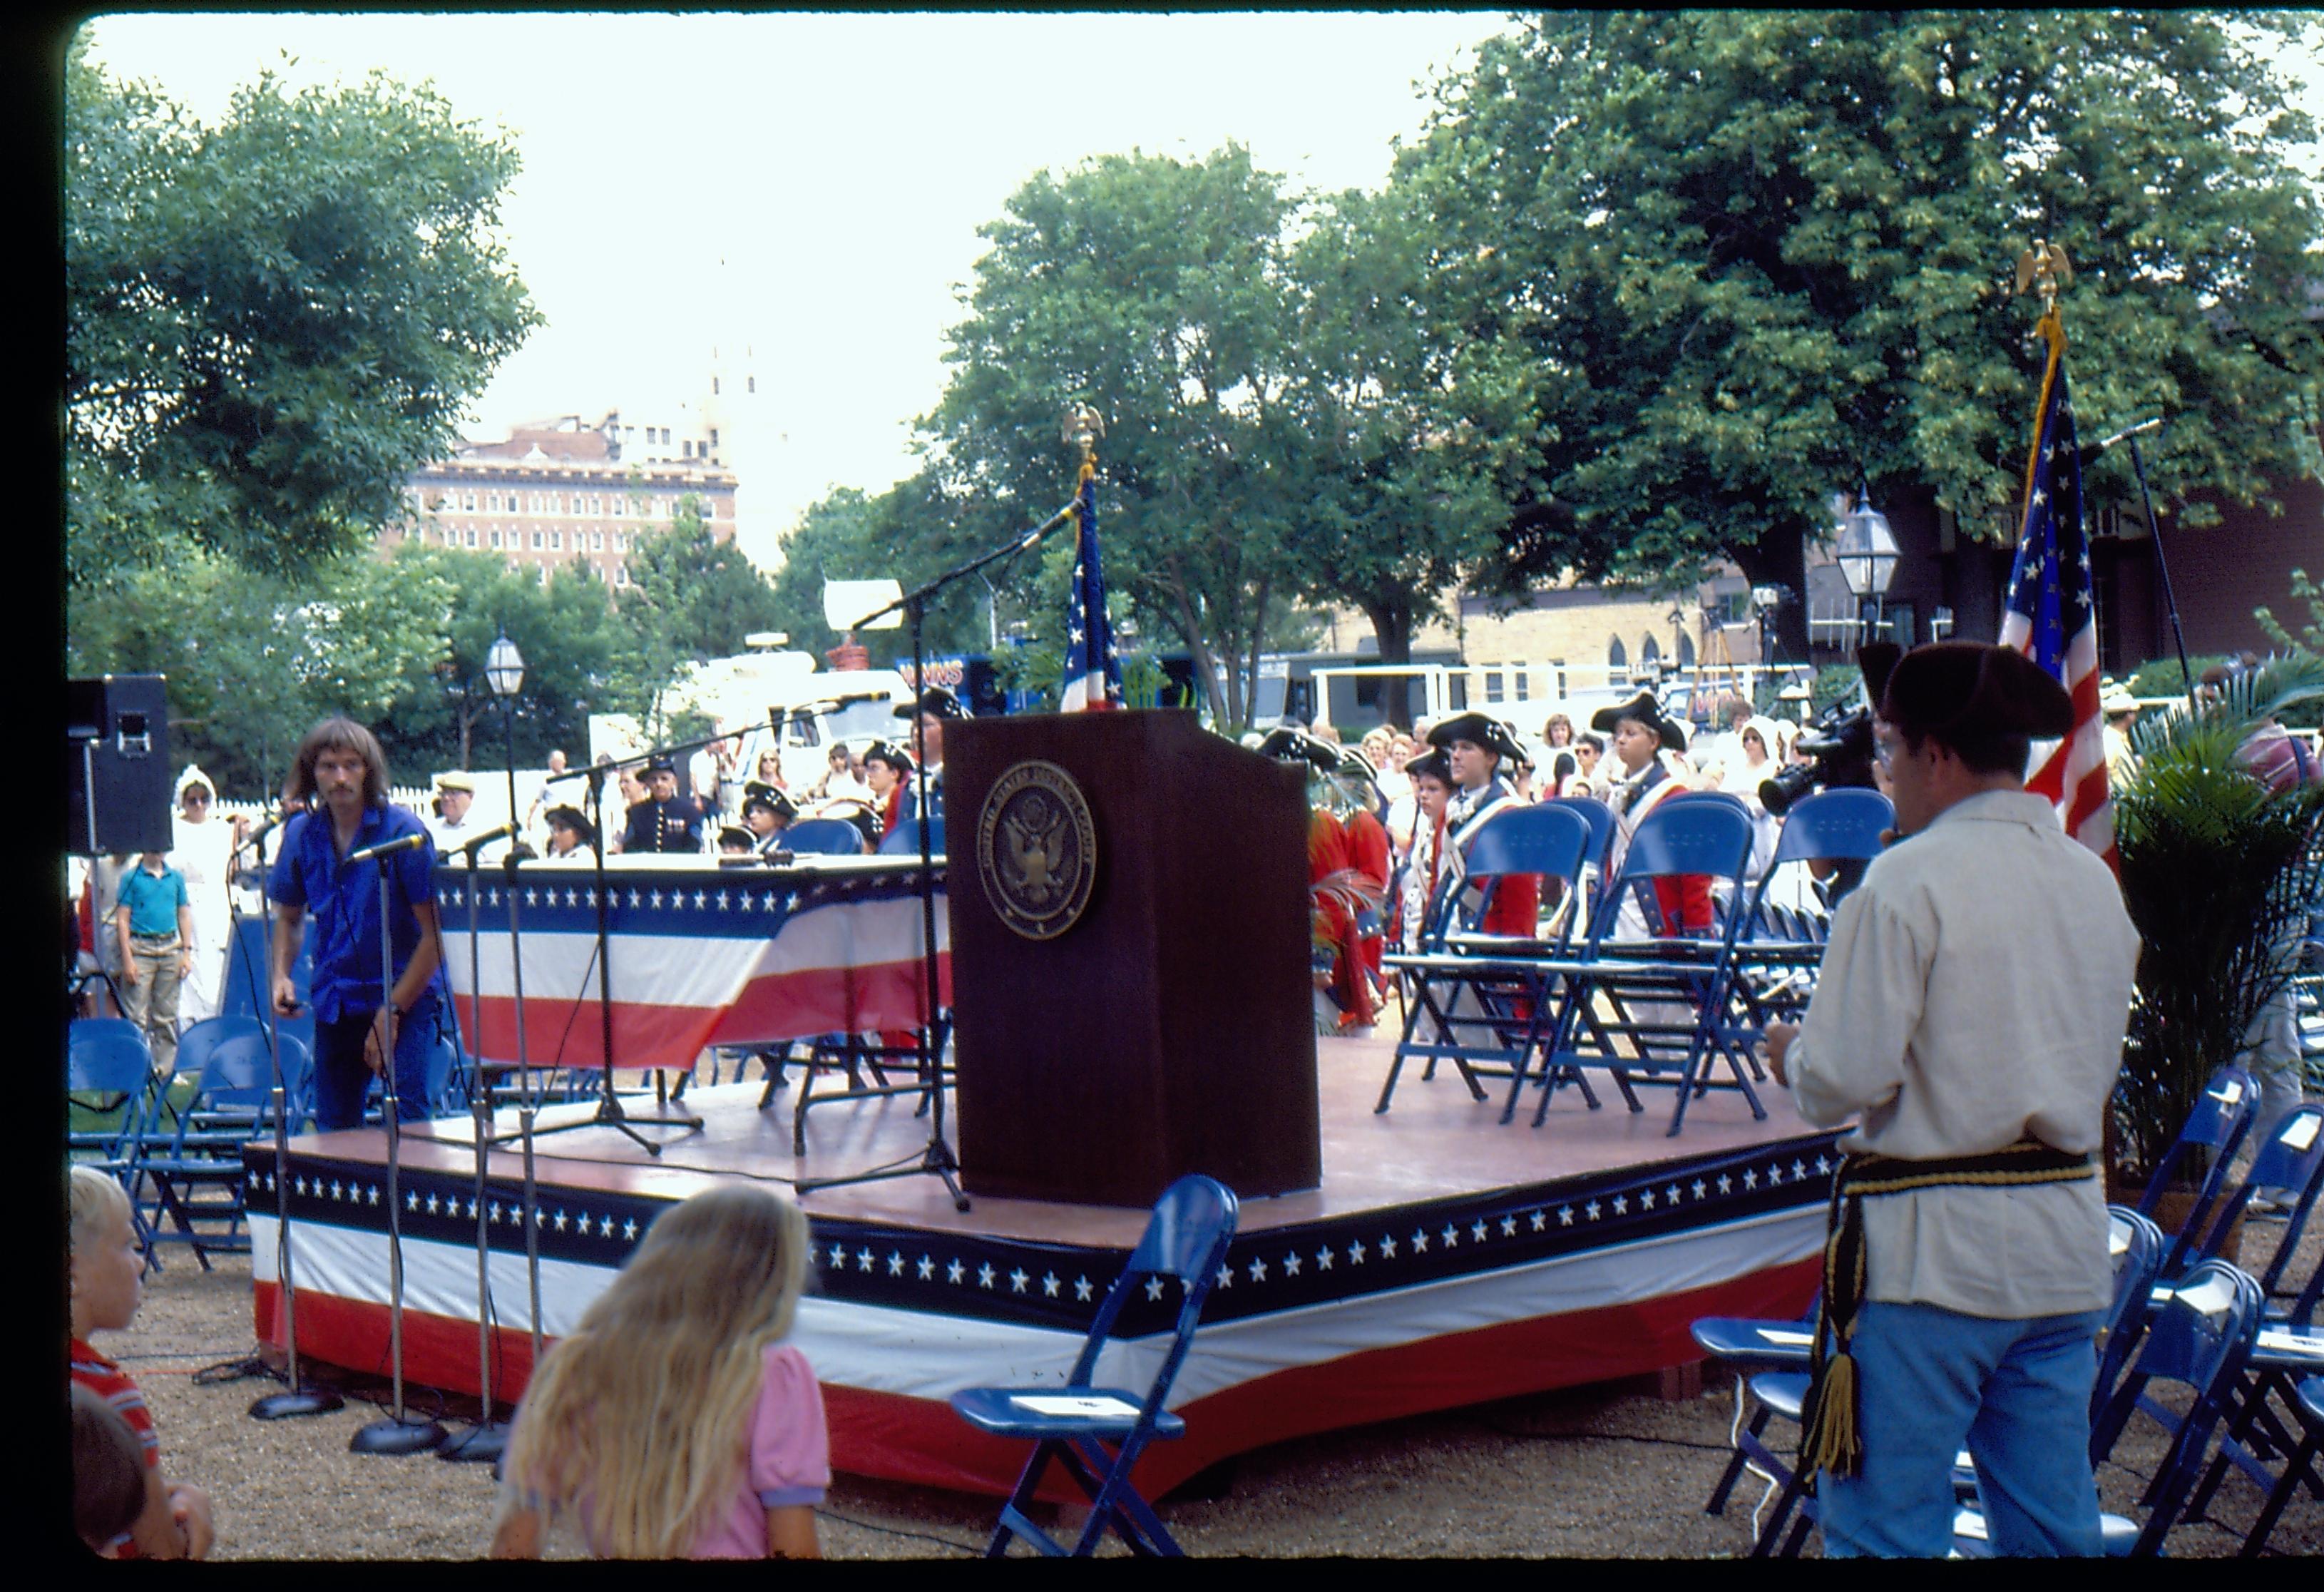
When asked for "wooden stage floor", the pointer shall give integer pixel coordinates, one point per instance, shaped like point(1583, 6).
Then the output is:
point(1435, 1142)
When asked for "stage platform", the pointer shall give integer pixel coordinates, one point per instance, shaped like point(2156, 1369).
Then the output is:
point(1445, 1260)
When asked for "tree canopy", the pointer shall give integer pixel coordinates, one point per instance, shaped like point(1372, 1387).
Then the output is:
point(1751, 257)
point(272, 321)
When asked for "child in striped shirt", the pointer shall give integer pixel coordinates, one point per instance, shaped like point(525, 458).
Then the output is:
point(108, 1278)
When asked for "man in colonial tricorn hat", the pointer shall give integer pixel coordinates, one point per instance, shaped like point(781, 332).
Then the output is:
point(1477, 747)
point(1969, 1015)
point(1639, 732)
point(928, 713)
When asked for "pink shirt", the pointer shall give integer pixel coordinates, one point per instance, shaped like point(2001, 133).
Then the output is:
point(789, 1461)
point(790, 1458)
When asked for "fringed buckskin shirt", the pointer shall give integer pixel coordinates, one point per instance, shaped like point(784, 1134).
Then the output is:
point(1974, 992)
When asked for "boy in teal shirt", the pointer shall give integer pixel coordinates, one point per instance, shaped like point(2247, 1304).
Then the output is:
point(156, 924)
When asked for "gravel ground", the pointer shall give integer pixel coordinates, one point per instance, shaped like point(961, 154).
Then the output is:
point(1606, 1471)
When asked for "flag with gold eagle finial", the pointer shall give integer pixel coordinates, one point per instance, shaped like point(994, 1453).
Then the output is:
point(1093, 677)
point(2053, 617)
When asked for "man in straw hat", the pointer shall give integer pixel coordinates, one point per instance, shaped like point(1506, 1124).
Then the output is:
point(1969, 1015)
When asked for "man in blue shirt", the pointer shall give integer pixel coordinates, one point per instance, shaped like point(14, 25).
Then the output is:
point(155, 922)
point(343, 774)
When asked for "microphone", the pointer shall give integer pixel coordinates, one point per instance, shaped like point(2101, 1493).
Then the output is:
point(2086, 454)
point(405, 844)
point(488, 836)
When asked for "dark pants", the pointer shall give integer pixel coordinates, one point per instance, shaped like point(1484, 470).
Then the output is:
point(342, 1080)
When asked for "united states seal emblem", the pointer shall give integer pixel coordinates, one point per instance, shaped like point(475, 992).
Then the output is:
point(1036, 849)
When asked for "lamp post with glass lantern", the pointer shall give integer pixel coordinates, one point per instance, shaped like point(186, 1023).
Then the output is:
point(504, 672)
point(1867, 554)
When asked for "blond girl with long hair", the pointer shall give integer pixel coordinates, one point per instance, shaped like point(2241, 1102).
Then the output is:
point(674, 1422)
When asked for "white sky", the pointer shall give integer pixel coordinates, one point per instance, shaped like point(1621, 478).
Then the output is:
point(811, 185)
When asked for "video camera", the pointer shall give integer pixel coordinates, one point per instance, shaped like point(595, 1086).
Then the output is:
point(1839, 741)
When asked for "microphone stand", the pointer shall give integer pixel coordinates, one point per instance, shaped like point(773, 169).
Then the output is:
point(610, 1112)
point(937, 1160)
point(488, 1437)
point(294, 1400)
point(2154, 535)
point(398, 1433)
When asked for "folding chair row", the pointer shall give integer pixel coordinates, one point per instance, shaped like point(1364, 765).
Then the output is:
point(191, 1187)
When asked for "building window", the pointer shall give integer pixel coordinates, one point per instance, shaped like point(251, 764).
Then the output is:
point(714, 438)
point(472, 536)
point(1649, 653)
point(536, 541)
point(1617, 663)
point(496, 538)
point(556, 542)
point(597, 506)
point(1492, 685)
point(468, 501)
point(751, 383)
point(714, 392)
point(597, 542)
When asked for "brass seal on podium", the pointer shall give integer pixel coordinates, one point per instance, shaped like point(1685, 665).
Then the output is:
point(1036, 849)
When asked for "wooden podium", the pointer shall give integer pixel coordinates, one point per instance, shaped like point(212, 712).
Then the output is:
point(1169, 1029)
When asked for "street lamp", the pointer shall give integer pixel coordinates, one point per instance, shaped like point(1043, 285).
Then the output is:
point(504, 672)
point(1867, 555)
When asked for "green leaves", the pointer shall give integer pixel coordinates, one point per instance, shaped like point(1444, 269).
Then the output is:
point(1745, 255)
point(270, 322)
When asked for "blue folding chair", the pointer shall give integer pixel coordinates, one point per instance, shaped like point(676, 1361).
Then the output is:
point(825, 838)
point(903, 839)
point(1483, 1000)
point(2222, 1116)
point(2301, 1463)
point(1602, 825)
point(235, 1091)
point(1657, 1011)
point(2200, 1336)
point(108, 1059)
point(1186, 1238)
point(1781, 949)
point(2291, 1157)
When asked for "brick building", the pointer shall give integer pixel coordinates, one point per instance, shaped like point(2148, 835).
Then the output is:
point(563, 490)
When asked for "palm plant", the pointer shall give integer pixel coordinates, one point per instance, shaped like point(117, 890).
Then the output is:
point(2218, 873)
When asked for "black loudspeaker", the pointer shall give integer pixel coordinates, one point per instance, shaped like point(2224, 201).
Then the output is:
point(117, 764)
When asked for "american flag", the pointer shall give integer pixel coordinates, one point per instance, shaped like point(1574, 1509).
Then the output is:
point(1093, 666)
point(2052, 618)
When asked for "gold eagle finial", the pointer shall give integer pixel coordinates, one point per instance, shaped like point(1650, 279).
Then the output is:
point(2045, 269)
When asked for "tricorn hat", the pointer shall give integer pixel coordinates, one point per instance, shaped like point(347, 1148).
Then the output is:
point(1433, 763)
point(1478, 729)
point(1296, 746)
point(735, 834)
point(936, 702)
point(1646, 711)
point(890, 753)
point(1952, 685)
point(570, 817)
point(757, 793)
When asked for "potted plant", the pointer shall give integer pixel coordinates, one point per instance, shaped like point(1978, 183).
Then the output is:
point(2218, 873)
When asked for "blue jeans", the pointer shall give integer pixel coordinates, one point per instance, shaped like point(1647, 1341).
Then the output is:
point(2016, 1394)
point(342, 1080)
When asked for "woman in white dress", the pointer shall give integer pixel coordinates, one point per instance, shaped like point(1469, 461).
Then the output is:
point(1758, 740)
point(202, 849)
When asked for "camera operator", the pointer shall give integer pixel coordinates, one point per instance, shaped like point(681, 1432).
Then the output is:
point(1970, 1015)
point(1838, 753)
